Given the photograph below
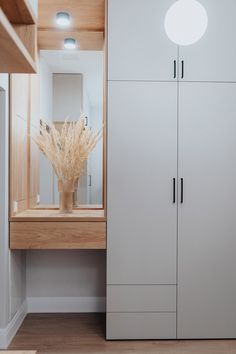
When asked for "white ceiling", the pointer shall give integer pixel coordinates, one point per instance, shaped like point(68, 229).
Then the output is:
point(88, 63)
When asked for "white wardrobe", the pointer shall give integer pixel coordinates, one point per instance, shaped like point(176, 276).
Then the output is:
point(171, 238)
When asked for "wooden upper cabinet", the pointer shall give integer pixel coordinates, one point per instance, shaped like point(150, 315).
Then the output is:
point(18, 37)
point(213, 57)
point(138, 47)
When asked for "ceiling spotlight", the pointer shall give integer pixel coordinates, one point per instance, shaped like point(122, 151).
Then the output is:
point(63, 19)
point(69, 43)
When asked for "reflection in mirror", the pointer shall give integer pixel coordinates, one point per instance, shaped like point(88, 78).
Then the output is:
point(71, 83)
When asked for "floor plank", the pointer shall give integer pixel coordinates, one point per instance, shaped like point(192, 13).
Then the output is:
point(17, 352)
point(85, 333)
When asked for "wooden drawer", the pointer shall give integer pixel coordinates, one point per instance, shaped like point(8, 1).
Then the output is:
point(141, 325)
point(57, 235)
point(141, 298)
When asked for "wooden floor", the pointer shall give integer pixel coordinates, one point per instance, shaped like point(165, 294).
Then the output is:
point(85, 333)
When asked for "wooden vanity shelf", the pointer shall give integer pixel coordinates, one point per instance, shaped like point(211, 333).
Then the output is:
point(47, 229)
point(18, 37)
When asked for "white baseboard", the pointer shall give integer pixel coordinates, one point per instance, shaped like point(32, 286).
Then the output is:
point(66, 304)
point(7, 334)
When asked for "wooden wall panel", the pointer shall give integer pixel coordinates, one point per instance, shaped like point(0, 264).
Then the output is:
point(54, 40)
point(24, 154)
point(19, 108)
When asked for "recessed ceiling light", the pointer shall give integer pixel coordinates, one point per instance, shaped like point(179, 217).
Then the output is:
point(69, 43)
point(63, 19)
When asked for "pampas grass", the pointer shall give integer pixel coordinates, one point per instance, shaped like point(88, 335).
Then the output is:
point(69, 149)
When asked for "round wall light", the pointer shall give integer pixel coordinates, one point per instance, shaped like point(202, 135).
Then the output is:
point(63, 19)
point(186, 22)
point(69, 43)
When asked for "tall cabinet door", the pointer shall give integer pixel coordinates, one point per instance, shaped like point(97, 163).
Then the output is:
point(138, 47)
point(142, 212)
point(213, 57)
point(207, 216)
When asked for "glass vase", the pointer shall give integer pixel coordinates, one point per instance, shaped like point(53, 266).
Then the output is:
point(66, 195)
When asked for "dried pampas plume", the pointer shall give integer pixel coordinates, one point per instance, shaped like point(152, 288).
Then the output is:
point(68, 149)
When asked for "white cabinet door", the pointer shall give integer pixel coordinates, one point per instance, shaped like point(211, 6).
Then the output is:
point(138, 47)
point(213, 57)
point(142, 162)
point(207, 218)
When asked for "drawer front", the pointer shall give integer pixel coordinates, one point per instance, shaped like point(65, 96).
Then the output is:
point(141, 298)
point(57, 235)
point(141, 326)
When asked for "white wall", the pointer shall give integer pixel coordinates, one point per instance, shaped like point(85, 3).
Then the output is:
point(66, 281)
point(62, 273)
point(45, 89)
point(94, 110)
point(12, 264)
point(86, 101)
point(4, 253)
point(96, 157)
point(46, 172)
point(18, 280)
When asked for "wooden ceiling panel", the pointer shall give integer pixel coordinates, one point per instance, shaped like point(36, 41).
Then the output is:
point(85, 14)
point(87, 23)
point(53, 40)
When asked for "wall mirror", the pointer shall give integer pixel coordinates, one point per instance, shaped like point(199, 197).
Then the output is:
point(71, 83)
point(68, 83)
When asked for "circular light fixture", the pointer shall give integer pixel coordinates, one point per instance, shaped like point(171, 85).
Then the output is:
point(186, 22)
point(69, 43)
point(63, 19)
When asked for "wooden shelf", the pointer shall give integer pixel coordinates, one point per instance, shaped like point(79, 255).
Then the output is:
point(18, 11)
point(14, 58)
point(90, 215)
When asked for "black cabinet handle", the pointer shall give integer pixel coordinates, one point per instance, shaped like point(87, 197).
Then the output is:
point(174, 190)
point(181, 190)
point(175, 69)
point(182, 69)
